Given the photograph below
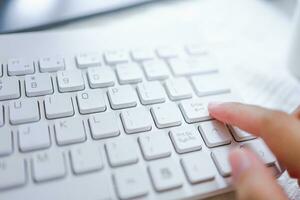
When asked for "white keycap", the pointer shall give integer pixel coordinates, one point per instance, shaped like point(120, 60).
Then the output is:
point(38, 85)
point(6, 145)
point(260, 149)
point(23, 111)
point(156, 70)
point(142, 54)
point(116, 56)
point(1, 115)
point(91, 101)
point(210, 84)
point(215, 133)
point(220, 158)
point(33, 136)
point(131, 182)
point(186, 139)
point(136, 120)
point(100, 77)
point(198, 167)
point(16, 67)
point(167, 52)
point(48, 166)
point(165, 175)
point(178, 89)
point(58, 106)
point(69, 131)
point(104, 125)
point(166, 115)
point(52, 64)
point(122, 152)
point(240, 135)
point(122, 97)
point(69, 81)
point(85, 60)
point(194, 110)
point(9, 88)
point(155, 145)
point(196, 49)
point(194, 66)
point(151, 92)
point(12, 173)
point(129, 73)
point(86, 158)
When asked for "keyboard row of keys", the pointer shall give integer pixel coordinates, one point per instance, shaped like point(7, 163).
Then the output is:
point(166, 174)
point(36, 136)
point(70, 81)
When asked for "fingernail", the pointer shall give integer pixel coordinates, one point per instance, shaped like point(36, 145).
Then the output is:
point(214, 105)
point(240, 162)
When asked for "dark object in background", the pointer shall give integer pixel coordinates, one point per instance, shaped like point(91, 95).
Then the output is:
point(24, 15)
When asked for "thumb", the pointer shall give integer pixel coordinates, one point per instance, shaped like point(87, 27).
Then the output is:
point(252, 179)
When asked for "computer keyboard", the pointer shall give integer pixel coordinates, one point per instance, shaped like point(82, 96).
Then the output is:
point(118, 124)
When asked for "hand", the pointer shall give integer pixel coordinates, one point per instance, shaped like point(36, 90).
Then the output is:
point(279, 130)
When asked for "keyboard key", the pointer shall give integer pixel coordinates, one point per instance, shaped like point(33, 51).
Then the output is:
point(166, 115)
point(1, 115)
point(23, 111)
point(240, 135)
point(6, 142)
point(69, 81)
point(198, 167)
point(142, 54)
point(215, 133)
point(100, 77)
point(58, 106)
point(48, 166)
point(196, 50)
point(136, 120)
point(104, 125)
point(260, 149)
point(91, 101)
point(156, 70)
point(86, 158)
point(38, 85)
point(85, 60)
point(194, 111)
point(33, 136)
point(122, 152)
point(165, 175)
point(167, 52)
point(192, 66)
point(220, 158)
point(52, 64)
point(209, 84)
point(131, 182)
point(12, 173)
point(151, 92)
point(122, 97)
point(178, 89)
point(16, 67)
point(9, 88)
point(129, 73)
point(69, 131)
point(155, 145)
point(186, 139)
point(116, 56)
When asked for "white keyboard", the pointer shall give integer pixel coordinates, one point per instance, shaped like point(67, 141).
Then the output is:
point(116, 125)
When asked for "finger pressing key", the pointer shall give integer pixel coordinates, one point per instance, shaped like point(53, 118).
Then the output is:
point(279, 130)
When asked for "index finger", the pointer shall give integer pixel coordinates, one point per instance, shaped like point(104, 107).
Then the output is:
point(279, 130)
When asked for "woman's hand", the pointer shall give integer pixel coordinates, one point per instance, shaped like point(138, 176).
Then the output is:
point(279, 130)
